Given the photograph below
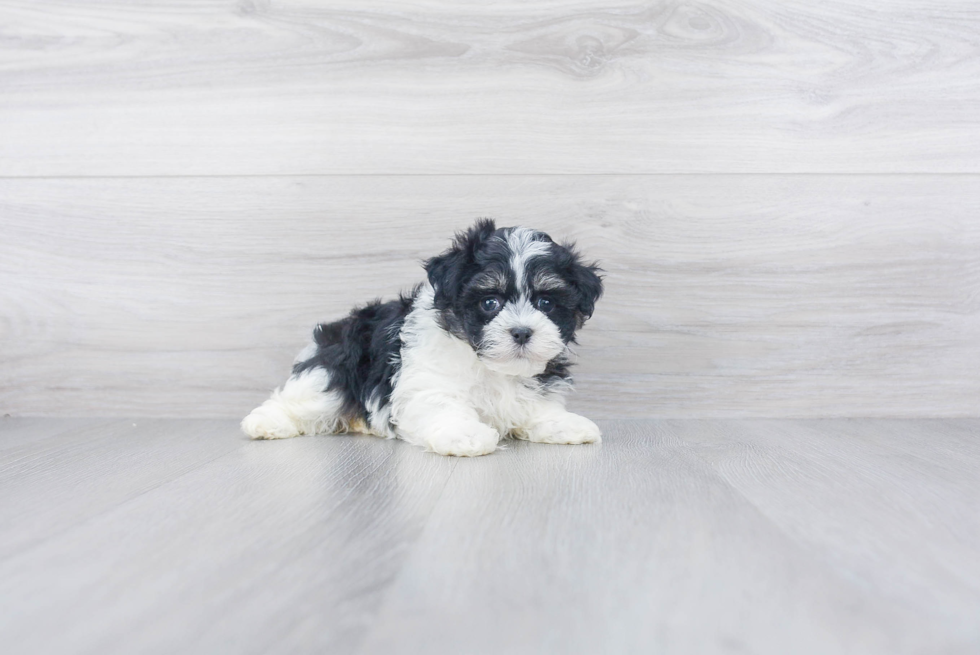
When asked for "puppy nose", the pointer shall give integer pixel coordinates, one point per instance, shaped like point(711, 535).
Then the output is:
point(521, 334)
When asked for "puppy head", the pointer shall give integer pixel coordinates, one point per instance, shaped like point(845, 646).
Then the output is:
point(513, 294)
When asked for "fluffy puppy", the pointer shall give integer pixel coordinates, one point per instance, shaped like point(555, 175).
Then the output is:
point(477, 353)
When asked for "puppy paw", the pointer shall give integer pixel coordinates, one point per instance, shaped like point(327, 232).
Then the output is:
point(269, 422)
point(566, 428)
point(463, 440)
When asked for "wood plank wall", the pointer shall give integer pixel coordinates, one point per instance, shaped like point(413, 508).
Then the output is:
point(785, 195)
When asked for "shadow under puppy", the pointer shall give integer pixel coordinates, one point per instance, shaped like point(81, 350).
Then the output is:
point(477, 353)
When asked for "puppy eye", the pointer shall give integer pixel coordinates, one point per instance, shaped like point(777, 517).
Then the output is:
point(490, 304)
point(545, 304)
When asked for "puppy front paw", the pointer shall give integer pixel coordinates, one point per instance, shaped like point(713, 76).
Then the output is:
point(565, 428)
point(464, 439)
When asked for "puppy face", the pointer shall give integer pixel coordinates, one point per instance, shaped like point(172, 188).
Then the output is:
point(513, 294)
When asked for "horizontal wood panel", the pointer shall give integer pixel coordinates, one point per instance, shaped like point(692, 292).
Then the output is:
point(296, 87)
point(726, 295)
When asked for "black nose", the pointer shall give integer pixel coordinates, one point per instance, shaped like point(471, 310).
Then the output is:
point(521, 334)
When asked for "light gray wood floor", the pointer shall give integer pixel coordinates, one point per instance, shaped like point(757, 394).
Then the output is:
point(677, 536)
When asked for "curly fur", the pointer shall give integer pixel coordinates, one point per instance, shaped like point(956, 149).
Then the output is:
point(477, 353)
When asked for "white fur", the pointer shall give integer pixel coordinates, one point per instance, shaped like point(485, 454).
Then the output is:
point(551, 423)
point(523, 247)
point(446, 397)
point(502, 354)
point(379, 418)
point(448, 400)
point(300, 407)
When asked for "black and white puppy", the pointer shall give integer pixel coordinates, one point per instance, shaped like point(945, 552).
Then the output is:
point(478, 353)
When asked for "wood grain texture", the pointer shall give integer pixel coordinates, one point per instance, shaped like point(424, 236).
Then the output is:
point(926, 501)
point(108, 87)
point(726, 295)
point(17, 432)
point(634, 547)
point(672, 536)
point(274, 547)
point(68, 478)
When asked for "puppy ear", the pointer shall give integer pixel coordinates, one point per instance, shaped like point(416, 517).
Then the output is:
point(586, 280)
point(589, 286)
point(446, 271)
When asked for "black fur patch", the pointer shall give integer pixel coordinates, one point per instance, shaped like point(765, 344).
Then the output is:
point(557, 370)
point(361, 352)
point(459, 278)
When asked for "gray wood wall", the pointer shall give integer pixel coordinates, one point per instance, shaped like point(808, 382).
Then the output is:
point(785, 195)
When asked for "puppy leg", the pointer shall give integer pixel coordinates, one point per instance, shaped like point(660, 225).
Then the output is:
point(447, 427)
point(552, 423)
point(302, 406)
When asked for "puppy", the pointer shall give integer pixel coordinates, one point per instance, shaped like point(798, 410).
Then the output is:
point(477, 353)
